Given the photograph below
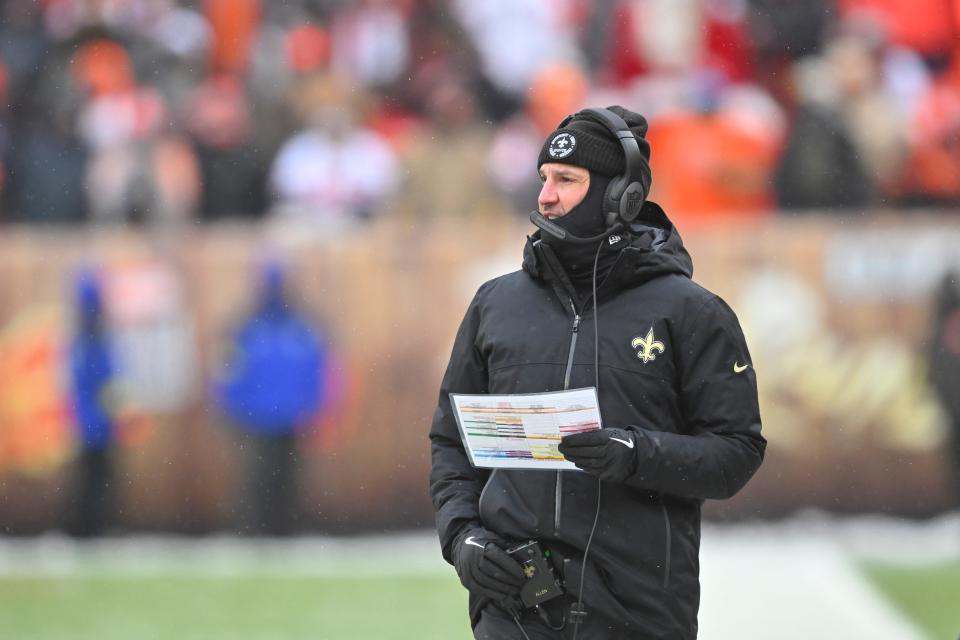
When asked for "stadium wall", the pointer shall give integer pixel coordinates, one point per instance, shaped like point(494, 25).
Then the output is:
point(836, 313)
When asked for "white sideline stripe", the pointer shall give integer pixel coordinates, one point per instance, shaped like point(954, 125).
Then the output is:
point(218, 556)
point(796, 578)
point(767, 588)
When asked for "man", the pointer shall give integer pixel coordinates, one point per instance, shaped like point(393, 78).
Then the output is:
point(274, 384)
point(945, 363)
point(677, 396)
point(93, 395)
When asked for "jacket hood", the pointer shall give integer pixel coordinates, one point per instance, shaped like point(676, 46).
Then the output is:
point(655, 249)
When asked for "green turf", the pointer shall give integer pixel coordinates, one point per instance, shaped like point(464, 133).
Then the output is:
point(927, 594)
point(246, 607)
point(258, 605)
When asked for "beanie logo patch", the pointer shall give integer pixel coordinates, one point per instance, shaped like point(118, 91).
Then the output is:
point(562, 145)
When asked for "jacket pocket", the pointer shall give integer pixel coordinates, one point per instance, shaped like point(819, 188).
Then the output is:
point(667, 545)
point(641, 534)
point(517, 504)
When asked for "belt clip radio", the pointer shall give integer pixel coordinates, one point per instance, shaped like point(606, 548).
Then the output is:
point(541, 585)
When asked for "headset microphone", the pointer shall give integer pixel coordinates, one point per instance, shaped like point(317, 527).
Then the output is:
point(562, 234)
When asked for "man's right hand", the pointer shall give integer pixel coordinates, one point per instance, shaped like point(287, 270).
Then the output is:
point(485, 569)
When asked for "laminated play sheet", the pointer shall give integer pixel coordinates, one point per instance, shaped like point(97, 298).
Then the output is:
point(522, 431)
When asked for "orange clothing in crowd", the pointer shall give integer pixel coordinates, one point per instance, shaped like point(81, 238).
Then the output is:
point(709, 166)
point(103, 67)
point(931, 27)
point(235, 24)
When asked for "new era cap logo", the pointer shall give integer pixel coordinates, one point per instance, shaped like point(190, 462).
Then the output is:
point(562, 145)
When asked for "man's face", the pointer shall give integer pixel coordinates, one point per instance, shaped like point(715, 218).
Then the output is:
point(564, 187)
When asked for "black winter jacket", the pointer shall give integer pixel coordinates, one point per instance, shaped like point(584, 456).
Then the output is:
point(693, 409)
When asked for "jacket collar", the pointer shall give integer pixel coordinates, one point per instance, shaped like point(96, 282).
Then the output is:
point(653, 248)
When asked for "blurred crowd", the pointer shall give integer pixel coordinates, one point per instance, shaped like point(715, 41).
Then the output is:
point(333, 112)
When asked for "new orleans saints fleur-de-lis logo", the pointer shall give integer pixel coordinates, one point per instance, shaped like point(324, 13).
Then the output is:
point(648, 346)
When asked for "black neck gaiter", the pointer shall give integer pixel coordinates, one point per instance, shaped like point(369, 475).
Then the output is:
point(585, 220)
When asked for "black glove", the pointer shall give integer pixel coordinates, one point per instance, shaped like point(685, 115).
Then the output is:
point(485, 569)
point(610, 454)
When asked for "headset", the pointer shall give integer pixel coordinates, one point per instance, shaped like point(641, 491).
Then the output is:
point(625, 195)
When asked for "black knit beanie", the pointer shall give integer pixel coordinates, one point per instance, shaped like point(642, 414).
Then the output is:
point(589, 144)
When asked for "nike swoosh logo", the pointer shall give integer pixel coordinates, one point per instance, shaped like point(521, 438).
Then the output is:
point(740, 368)
point(470, 540)
point(629, 443)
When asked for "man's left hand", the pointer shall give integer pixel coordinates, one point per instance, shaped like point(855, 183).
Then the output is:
point(610, 454)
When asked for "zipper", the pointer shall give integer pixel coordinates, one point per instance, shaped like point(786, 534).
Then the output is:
point(574, 332)
point(558, 496)
point(666, 563)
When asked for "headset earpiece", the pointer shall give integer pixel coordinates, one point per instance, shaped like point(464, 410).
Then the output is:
point(626, 193)
point(611, 201)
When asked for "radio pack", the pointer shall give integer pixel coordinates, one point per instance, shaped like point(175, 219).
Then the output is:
point(541, 584)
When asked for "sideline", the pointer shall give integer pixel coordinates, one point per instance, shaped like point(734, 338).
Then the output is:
point(797, 579)
point(790, 579)
point(55, 555)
